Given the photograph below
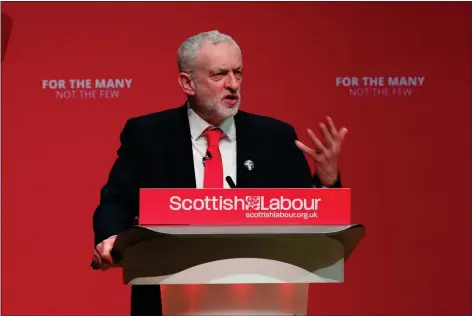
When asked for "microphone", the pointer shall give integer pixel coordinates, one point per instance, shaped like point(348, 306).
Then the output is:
point(207, 157)
point(230, 182)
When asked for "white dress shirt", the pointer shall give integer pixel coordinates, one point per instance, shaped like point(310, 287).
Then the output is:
point(199, 147)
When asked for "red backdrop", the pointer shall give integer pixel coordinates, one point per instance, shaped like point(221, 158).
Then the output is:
point(406, 156)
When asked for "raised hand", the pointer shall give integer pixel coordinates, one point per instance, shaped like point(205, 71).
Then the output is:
point(326, 153)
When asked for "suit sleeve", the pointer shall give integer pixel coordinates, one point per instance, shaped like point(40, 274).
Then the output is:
point(300, 173)
point(119, 197)
point(294, 166)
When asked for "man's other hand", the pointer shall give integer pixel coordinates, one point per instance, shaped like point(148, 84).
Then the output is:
point(102, 254)
point(325, 153)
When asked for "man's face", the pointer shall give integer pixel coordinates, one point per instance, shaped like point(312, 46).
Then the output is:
point(217, 80)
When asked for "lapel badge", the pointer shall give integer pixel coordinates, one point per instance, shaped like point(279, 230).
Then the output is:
point(249, 164)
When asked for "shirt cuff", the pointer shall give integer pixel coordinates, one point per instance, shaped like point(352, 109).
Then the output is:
point(317, 183)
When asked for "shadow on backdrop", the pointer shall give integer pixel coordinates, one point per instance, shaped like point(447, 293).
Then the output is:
point(7, 23)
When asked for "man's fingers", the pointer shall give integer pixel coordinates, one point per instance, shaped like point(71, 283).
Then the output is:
point(328, 139)
point(337, 135)
point(104, 266)
point(102, 254)
point(332, 129)
point(342, 133)
point(306, 149)
point(103, 250)
point(96, 256)
point(99, 263)
point(106, 257)
point(319, 145)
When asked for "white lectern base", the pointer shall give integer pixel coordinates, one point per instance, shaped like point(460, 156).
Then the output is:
point(237, 271)
point(235, 300)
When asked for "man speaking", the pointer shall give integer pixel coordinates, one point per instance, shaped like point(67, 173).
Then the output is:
point(200, 143)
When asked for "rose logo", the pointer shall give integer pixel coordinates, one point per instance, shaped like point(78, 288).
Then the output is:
point(253, 202)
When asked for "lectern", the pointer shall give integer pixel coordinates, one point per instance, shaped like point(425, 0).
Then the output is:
point(245, 267)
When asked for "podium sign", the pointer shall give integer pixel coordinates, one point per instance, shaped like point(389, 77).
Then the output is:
point(238, 251)
point(245, 207)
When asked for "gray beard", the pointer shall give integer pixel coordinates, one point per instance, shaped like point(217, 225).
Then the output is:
point(217, 110)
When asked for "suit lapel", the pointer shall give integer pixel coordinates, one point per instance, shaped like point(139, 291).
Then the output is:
point(180, 151)
point(244, 149)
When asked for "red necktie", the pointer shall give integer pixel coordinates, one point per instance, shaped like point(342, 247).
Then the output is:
point(213, 164)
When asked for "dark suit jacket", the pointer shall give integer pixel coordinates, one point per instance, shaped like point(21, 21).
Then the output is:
point(156, 152)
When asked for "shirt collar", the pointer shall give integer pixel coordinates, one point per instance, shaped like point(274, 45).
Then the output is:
point(199, 125)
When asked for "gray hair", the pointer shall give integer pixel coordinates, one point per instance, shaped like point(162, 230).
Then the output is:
point(189, 49)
